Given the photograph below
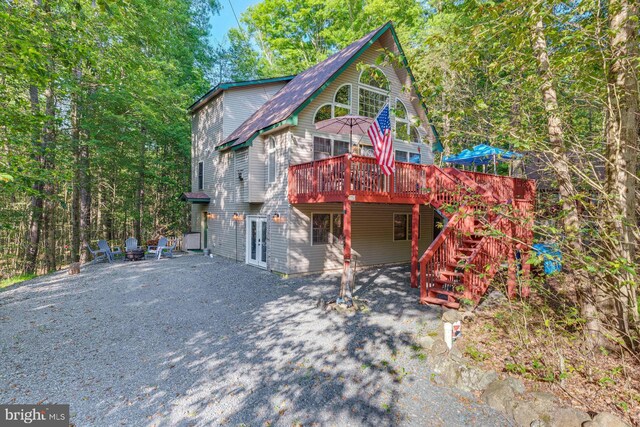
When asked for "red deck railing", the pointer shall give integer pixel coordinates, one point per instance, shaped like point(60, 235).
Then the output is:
point(324, 181)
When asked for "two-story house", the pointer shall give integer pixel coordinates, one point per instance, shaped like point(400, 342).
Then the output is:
point(245, 135)
point(271, 190)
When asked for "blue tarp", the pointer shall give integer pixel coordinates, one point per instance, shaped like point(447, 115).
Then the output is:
point(481, 155)
point(552, 257)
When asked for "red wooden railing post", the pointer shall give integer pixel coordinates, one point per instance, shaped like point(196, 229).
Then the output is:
point(347, 175)
point(415, 231)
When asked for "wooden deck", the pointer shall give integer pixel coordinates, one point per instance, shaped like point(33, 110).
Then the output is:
point(460, 263)
point(323, 181)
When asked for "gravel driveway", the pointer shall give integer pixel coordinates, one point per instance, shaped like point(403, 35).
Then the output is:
point(199, 341)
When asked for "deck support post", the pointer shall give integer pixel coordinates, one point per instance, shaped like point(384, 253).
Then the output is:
point(347, 272)
point(415, 231)
point(511, 271)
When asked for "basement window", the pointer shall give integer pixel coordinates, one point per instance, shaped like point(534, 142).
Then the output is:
point(402, 227)
point(326, 228)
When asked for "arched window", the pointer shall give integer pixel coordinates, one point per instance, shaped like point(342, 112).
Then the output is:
point(402, 122)
point(373, 91)
point(405, 131)
point(342, 101)
point(323, 113)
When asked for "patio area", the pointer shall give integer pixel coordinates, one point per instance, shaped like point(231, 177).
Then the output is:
point(195, 341)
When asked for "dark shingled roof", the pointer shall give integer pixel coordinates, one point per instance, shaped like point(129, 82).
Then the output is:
point(199, 197)
point(294, 94)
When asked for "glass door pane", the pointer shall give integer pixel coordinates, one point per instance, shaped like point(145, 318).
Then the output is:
point(254, 239)
point(263, 258)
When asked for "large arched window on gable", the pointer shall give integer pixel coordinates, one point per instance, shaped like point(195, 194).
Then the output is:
point(373, 91)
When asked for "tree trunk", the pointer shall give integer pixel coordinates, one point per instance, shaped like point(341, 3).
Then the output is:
point(33, 238)
point(622, 157)
point(48, 148)
point(571, 221)
point(76, 249)
point(139, 199)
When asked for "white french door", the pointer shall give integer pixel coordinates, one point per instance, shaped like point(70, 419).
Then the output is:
point(257, 241)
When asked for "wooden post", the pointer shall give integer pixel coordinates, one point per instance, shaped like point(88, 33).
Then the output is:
point(415, 231)
point(346, 272)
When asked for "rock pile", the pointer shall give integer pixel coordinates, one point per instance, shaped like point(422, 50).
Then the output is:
point(509, 396)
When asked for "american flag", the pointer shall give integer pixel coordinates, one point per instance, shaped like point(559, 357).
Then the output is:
point(380, 135)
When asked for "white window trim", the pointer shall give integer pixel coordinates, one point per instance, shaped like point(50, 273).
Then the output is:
point(315, 113)
point(271, 149)
point(409, 216)
point(331, 136)
point(333, 104)
point(332, 239)
point(337, 104)
point(377, 90)
point(200, 187)
point(409, 152)
point(397, 120)
point(373, 88)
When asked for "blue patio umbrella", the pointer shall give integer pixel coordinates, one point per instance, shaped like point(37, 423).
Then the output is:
point(481, 155)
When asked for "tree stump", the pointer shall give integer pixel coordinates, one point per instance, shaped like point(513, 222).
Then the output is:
point(74, 268)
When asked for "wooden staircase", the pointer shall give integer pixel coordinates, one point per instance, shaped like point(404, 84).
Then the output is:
point(483, 233)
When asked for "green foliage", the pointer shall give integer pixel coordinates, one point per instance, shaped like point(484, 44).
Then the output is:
point(129, 69)
point(5, 283)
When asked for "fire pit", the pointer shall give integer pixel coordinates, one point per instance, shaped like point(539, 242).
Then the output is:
point(134, 255)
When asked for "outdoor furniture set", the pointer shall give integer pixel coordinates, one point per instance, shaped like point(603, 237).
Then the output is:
point(132, 252)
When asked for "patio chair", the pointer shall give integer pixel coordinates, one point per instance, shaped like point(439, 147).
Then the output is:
point(98, 254)
point(111, 253)
point(131, 244)
point(156, 251)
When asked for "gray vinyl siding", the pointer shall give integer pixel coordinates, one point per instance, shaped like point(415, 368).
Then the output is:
point(288, 242)
point(305, 130)
point(206, 132)
point(371, 237)
point(242, 102)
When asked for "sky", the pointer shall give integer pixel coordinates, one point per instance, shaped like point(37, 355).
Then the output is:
point(220, 24)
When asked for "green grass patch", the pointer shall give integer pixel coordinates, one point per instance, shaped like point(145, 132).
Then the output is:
point(15, 279)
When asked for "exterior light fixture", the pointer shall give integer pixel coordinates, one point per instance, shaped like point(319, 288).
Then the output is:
point(237, 216)
point(240, 177)
point(212, 216)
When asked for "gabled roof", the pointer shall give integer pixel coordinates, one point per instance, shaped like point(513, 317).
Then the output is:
point(283, 108)
point(230, 85)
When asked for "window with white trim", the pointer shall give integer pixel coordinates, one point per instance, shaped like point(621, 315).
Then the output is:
point(373, 91)
point(326, 228)
point(404, 130)
point(407, 156)
point(200, 175)
point(271, 160)
point(327, 147)
point(402, 226)
point(342, 101)
point(341, 105)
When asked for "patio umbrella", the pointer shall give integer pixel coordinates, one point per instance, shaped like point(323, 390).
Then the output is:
point(346, 124)
point(482, 154)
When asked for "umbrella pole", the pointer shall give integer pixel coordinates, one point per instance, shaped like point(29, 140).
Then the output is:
point(350, 140)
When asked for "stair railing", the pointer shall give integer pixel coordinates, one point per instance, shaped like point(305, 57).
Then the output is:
point(487, 257)
point(443, 249)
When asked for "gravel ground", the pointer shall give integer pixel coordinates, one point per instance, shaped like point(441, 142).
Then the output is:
point(194, 341)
